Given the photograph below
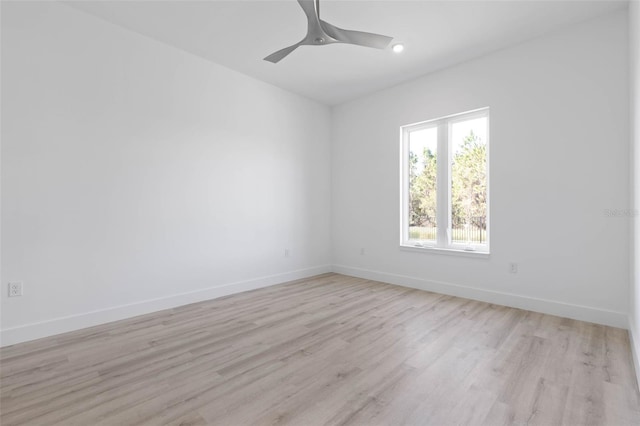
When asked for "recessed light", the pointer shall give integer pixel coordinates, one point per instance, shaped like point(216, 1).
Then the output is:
point(397, 48)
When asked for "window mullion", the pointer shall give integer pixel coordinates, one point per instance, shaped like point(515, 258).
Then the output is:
point(442, 209)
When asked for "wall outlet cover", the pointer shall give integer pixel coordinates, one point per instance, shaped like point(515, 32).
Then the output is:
point(15, 289)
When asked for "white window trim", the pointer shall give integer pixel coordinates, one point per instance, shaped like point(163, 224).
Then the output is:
point(443, 244)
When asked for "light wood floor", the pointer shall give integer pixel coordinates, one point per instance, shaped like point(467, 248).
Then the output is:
point(327, 350)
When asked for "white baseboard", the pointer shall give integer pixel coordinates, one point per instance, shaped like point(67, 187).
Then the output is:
point(55, 326)
point(634, 340)
point(578, 312)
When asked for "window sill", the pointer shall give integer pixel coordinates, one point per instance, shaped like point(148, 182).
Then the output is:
point(447, 251)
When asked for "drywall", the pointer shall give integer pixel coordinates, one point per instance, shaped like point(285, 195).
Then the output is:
point(137, 177)
point(559, 162)
point(634, 72)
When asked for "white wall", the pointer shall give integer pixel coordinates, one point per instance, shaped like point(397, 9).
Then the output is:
point(634, 69)
point(559, 158)
point(137, 177)
point(133, 172)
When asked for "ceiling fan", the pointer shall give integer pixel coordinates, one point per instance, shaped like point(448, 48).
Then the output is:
point(320, 33)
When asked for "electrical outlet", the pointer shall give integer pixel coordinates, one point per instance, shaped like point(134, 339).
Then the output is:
point(287, 253)
point(15, 289)
point(513, 268)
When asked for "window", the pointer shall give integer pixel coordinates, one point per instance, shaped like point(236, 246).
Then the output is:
point(445, 183)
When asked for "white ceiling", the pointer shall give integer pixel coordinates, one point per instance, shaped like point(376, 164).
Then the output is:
point(436, 34)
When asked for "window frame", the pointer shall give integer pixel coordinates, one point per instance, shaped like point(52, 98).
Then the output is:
point(443, 243)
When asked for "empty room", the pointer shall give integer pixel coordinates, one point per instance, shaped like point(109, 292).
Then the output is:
point(320, 212)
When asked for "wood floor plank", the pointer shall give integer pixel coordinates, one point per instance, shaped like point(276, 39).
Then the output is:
point(328, 350)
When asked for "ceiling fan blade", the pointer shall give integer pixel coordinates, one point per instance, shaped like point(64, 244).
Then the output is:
point(311, 8)
point(360, 38)
point(280, 54)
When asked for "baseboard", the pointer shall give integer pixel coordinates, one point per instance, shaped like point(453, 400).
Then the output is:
point(60, 325)
point(578, 312)
point(55, 326)
point(634, 341)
